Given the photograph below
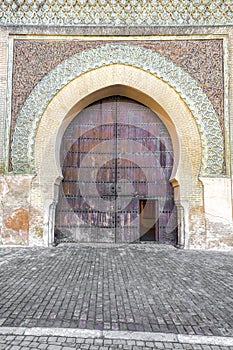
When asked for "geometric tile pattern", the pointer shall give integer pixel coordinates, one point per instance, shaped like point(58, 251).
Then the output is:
point(116, 12)
point(87, 60)
point(202, 59)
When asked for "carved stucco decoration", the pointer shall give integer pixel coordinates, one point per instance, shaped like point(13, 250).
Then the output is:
point(116, 12)
point(55, 80)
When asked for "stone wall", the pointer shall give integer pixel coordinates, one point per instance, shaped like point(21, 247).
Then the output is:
point(210, 226)
point(14, 209)
point(4, 42)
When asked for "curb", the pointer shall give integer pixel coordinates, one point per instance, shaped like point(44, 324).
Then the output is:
point(143, 336)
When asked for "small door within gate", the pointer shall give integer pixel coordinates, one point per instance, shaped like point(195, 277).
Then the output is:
point(116, 158)
point(149, 230)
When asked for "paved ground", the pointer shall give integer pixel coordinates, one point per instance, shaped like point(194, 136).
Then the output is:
point(10, 342)
point(145, 288)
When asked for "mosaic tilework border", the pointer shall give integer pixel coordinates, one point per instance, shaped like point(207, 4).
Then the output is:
point(183, 83)
point(116, 12)
point(201, 58)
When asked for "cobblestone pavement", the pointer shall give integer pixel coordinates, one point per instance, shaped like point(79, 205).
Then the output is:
point(10, 342)
point(146, 288)
point(152, 288)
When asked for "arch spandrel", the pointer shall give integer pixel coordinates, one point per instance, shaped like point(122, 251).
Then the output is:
point(118, 54)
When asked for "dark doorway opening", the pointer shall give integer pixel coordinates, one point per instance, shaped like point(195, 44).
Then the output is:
point(148, 209)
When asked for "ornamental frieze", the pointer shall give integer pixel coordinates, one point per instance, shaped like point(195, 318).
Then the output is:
point(201, 59)
point(87, 60)
point(116, 12)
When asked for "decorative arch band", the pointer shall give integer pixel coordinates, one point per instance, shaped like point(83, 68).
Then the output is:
point(55, 80)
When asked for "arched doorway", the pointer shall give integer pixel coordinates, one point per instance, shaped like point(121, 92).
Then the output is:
point(117, 158)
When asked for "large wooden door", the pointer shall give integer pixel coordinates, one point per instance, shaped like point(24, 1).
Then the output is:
point(115, 155)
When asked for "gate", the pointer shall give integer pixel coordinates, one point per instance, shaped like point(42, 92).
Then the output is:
point(117, 159)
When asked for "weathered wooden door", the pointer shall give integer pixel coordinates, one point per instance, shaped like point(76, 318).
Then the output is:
point(116, 155)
